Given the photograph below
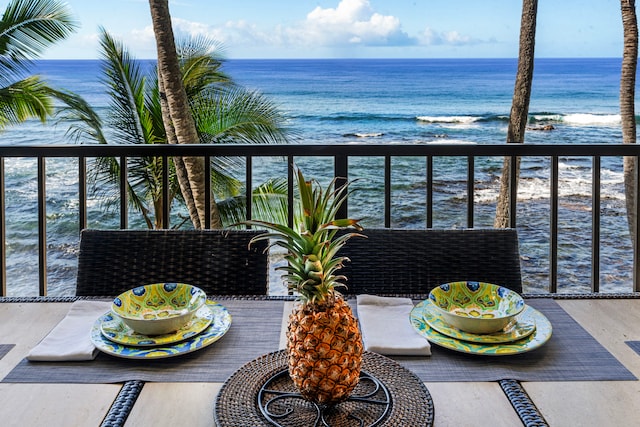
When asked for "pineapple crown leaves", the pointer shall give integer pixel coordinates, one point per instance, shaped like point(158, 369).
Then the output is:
point(312, 248)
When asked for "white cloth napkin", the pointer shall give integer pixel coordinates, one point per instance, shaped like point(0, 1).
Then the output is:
point(386, 328)
point(70, 340)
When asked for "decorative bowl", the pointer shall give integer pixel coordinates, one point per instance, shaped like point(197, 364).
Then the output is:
point(159, 308)
point(476, 307)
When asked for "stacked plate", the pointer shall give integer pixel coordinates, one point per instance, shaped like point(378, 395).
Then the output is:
point(526, 330)
point(113, 333)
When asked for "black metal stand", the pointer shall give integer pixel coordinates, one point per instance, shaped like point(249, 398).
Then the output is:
point(282, 405)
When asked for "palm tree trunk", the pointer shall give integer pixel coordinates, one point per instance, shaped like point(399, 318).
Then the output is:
point(519, 106)
point(181, 170)
point(178, 121)
point(627, 106)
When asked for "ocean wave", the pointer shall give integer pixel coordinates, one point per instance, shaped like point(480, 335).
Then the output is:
point(575, 119)
point(465, 120)
point(364, 135)
point(545, 117)
point(578, 119)
point(592, 119)
point(449, 119)
point(354, 117)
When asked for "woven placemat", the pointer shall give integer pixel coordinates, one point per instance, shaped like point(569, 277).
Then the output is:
point(635, 345)
point(572, 354)
point(236, 403)
point(255, 329)
point(5, 348)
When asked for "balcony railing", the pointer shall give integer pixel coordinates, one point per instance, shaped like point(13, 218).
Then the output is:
point(392, 173)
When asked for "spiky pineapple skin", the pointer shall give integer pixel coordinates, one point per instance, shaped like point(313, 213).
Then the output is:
point(324, 350)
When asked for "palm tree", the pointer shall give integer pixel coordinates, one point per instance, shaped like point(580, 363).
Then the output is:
point(222, 112)
point(180, 127)
point(519, 106)
point(627, 105)
point(26, 29)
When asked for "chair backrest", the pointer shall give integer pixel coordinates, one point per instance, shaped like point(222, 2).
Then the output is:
point(221, 262)
point(401, 261)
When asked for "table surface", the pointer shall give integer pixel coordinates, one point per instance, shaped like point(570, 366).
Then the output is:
point(585, 403)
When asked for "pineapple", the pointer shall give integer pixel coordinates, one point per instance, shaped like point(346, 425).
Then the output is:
point(324, 344)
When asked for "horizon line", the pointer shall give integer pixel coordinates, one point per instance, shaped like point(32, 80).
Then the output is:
point(350, 58)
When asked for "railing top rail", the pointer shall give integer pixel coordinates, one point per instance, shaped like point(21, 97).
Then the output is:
point(97, 150)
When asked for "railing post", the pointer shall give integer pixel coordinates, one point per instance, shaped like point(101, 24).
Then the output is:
point(290, 191)
point(42, 227)
point(470, 189)
point(341, 168)
point(636, 245)
point(124, 196)
point(387, 191)
point(3, 233)
point(429, 192)
point(553, 228)
point(595, 225)
point(166, 205)
point(82, 193)
point(513, 191)
point(248, 177)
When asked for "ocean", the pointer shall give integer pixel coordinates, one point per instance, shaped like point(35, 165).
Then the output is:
point(382, 101)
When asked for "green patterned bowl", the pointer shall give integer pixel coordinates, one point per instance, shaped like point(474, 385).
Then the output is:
point(159, 308)
point(476, 307)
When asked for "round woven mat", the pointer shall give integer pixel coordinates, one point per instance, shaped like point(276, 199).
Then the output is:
point(236, 404)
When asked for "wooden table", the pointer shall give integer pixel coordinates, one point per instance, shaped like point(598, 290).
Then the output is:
point(597, 403)
point(25, 324)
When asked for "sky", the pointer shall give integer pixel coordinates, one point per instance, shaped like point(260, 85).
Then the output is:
point(354, 28)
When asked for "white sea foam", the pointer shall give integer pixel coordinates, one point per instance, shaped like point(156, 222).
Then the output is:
point(546, 117)
point(448, 119)
point(572, 182)
point(364, 135)
point(584, 119)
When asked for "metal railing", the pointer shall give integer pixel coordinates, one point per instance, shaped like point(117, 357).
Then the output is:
point(341, 155)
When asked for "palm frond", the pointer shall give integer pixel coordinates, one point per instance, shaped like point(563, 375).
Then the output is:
point(241, 116)
point(84, 120)
point(201, 61)
point(269, 204)
point(129, 117)
point(25, 99)
point(28, 27)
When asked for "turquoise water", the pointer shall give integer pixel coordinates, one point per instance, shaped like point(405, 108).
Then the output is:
point(384, 102)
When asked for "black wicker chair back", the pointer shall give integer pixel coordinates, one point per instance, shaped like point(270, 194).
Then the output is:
point(218, 261)
point(400, 261)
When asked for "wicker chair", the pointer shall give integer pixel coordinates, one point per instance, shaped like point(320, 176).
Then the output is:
point(218, 261)
point(394, 261)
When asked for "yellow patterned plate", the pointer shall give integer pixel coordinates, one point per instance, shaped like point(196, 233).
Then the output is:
point(535, 340)
point(216, 330)
point(522, 327)
point(116, 330)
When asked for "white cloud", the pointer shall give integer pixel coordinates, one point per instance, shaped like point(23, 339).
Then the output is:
point(190, 27)
point(348, 11)
point(453, 37)
point(433, 38)
point(351, 22)
point(143, 36)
